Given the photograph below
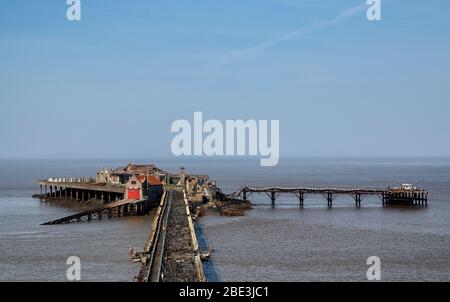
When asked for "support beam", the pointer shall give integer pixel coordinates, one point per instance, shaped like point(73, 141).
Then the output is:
point(330, 199)
point(301, 197)
point(357, 199)
point(273, 197)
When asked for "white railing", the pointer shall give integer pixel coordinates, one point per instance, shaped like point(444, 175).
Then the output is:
point(71, 179)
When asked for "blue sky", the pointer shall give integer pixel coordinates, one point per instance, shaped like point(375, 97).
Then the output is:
point(112, 83)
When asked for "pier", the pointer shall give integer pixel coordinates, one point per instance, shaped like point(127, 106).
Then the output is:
point(404, 195)
point(172, 252)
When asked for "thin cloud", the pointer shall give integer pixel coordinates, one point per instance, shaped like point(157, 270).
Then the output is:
point(313, 27)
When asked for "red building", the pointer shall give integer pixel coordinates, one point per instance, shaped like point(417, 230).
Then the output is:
point(134, 189)
point(152, 187)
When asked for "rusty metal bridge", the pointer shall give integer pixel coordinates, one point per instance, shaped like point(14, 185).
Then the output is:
point(398, 196)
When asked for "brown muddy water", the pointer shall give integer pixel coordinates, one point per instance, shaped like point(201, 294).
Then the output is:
point(287, 243)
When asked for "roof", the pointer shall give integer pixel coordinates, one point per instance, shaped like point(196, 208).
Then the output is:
point(152, 180)
point(137, 169)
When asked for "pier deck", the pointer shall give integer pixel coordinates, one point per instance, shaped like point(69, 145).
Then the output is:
point(171, 252)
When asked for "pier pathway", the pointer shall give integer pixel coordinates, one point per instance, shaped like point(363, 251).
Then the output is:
point(172, 252)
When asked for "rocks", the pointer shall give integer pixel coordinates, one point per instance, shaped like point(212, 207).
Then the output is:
point(233, 207)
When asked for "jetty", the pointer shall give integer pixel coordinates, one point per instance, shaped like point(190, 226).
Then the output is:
point(405, 195)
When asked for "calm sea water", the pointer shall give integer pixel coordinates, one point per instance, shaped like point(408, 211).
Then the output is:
point(287, 243)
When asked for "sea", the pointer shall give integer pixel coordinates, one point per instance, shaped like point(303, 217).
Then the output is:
point(282, 243)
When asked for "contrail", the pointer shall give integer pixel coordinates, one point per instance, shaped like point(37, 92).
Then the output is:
point(316, 26)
